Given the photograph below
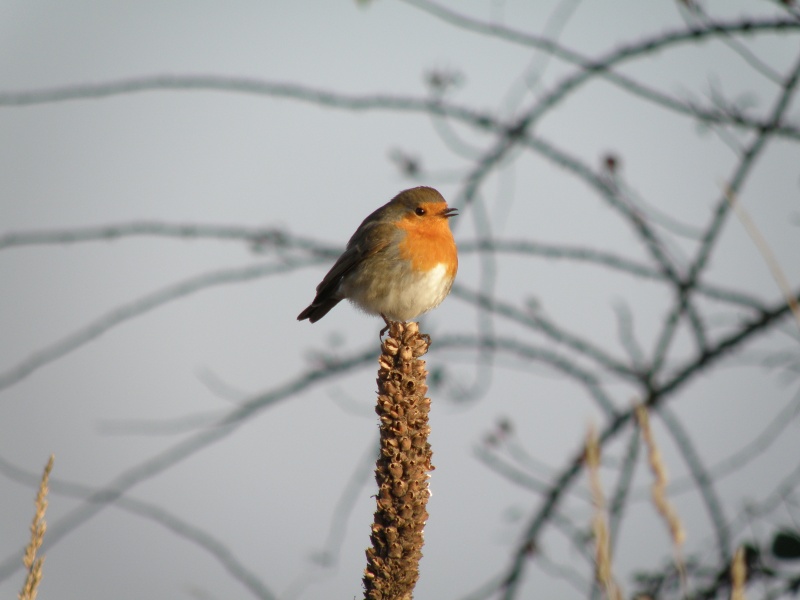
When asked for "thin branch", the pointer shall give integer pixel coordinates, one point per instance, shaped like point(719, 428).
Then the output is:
point(766, 253)
point(175, 454)
point(258, 237)
point(558, 251)
point(749, 57)
point(729, 343)
point(650, 45)
point(606, 190)
point(512, 577)
point(351, 491)
point(221, 552)
point(515, 474)
point(541, 324)
point(160, 427)
point(603, 258)
point(245, 85)
point(487, 281)
point(435, 105)
point(619, 498)
point(627, 336)
point(534, 354)
point(602, 67)
point(654, 214)
point(705, 484)
point(769, 503)
point(139, 307)
point(268, 237)
point(516, 450)
point(565, 572)
point(756, 446)
point(743, 456)
point(742, 171)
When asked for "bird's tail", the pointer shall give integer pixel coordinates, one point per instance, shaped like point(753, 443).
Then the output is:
point(317, 310)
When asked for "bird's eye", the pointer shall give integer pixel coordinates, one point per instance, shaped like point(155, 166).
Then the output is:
point(420, 211)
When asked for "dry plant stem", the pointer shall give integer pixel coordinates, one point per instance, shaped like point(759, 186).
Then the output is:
point(766, 253)
point(738, 575)
point(602, 542)
point(659, 490)
point(38, 527)
point(402, 467)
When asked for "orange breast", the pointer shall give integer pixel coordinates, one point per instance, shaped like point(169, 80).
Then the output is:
point(428, 242)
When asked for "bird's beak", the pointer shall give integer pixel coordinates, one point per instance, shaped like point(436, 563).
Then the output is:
point(450, 212)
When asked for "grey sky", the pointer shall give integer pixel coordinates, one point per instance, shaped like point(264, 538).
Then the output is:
point(269, 489)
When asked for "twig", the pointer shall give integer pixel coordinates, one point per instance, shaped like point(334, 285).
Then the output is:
point(602, 67)
point(543, 325)
point(623, 488)
point(603, 571)
point(178, 452)
point(659, 490)
point(137, 308)
point(512, 577)
point(741, 172)
point(173, 522)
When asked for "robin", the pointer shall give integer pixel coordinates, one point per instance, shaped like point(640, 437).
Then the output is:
point(400, 262)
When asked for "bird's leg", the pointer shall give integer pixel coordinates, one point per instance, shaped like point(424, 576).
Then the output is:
point(385, 329)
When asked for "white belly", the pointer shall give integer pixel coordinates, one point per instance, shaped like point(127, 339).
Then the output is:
point(405, 297)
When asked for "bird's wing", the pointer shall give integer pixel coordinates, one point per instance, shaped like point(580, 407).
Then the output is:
point(376, 238)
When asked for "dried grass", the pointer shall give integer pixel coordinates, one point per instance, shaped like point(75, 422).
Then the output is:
point(659, 491)
point(603, 570)
point(32, 562)
point(766, 253)
point(738, 575)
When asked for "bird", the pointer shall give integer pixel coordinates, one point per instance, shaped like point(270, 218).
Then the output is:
point(400, 263)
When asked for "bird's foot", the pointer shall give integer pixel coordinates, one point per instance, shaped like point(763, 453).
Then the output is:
point(385, 329)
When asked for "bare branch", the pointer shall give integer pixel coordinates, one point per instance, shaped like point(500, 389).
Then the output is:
point(560, 363)
point(742, 171)
point(221, 552)
point(139, 307)
point(539, 323)
point(705, 484)
point(258, 237)
point(513, 574)
point(602, 67)
point(175, 454)
point(619, 498)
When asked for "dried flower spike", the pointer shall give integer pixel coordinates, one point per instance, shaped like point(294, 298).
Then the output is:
point(402, 467)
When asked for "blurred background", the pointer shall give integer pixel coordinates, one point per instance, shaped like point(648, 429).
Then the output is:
point(177, 178)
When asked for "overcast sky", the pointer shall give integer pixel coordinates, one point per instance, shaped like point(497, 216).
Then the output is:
point(269, 489)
